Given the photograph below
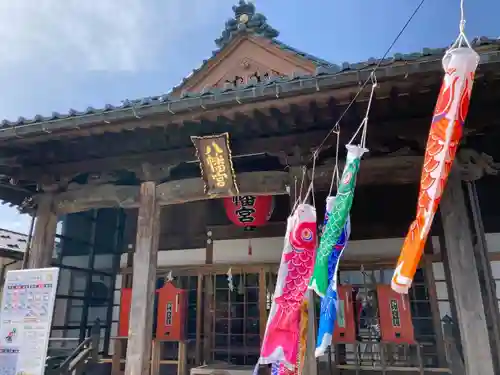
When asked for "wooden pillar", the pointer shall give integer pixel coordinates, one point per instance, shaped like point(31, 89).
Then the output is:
point(310, 365)
point(208, 305)
point(486, 279)
point(40, 253)
point(466, 290)
point(143, 282)
point(28, 242)
point(199, 318)
point(208, 318)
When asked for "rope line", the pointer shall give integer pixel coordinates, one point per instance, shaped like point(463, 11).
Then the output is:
point(364, 123)
point(461, 39)
point(335, 175)
point(377, 66)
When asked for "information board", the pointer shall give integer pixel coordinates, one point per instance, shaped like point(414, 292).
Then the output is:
point(25, 320)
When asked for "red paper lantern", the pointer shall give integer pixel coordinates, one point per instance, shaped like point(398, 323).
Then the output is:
point(249, 211)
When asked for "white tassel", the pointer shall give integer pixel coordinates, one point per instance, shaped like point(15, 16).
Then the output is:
point(230, 280)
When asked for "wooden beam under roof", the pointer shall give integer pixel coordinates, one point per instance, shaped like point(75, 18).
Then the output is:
point(172, 192)
point(392, 170)
point(172, 157)
point(289, 145)
point(381, 130)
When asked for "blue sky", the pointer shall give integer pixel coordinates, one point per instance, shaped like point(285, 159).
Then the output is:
point(74, 54)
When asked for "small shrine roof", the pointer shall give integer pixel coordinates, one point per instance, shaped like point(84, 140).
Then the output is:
point(12, 244)
point(245, 21)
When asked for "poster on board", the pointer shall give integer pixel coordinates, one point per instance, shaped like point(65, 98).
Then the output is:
point(25, 319)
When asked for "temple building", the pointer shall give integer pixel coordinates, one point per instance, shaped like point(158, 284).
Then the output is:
point(125, 182)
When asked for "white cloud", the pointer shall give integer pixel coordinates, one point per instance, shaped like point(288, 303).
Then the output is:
point(110, 35)
point(11, 219)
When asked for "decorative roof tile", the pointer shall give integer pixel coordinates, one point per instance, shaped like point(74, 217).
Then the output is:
point(245, 20)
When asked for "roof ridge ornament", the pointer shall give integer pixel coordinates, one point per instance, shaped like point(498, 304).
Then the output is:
point(246, 20)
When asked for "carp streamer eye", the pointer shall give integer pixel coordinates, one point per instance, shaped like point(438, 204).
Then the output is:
point(307, 234)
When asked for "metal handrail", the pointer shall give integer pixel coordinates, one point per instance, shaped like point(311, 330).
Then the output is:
point(85, 353)
point(75, 353)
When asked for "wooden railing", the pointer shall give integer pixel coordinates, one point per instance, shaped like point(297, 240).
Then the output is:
point(118, 360)
point(380, 356)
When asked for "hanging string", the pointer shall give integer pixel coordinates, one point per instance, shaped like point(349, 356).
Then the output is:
point(364, 124)
point(295, 189)
point(310, 189)
point(335, 175)
point(461, 40)
point(302, 183)
point(299, 197)
point(311, 185)
point(377, 66)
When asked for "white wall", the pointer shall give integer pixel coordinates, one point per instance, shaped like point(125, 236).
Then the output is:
point(266, 250)
point(492, 242)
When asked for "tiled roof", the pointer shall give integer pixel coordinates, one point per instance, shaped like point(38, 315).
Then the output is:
point(14, 244)
point(316, 60)
point(324, 78)
point(327, 75)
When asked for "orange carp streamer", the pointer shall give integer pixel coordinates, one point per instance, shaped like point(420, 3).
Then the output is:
point(445, 133)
